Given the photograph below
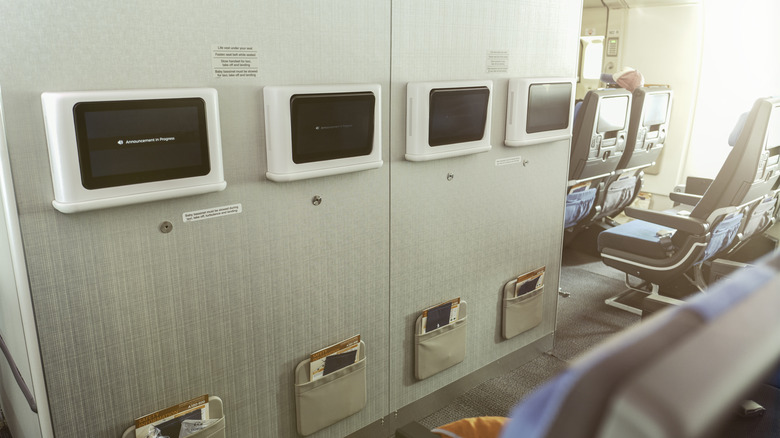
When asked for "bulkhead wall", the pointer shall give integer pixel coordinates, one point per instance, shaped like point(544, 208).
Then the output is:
point(131, 320)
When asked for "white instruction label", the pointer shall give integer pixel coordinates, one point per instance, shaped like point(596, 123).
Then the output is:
point(234, 61)
point(211, 213)
point(497, 61)
point(510, 160)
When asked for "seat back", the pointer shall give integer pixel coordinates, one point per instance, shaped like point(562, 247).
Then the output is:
point(580, 402)
point(600, 134)
point(651, 110)
point(746, 185)
point(694, 387)
point(752, 168)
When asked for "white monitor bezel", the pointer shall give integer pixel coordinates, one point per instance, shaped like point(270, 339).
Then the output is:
point(517, 107)
point(70, 196)
point(417, 122)
point(278, 134)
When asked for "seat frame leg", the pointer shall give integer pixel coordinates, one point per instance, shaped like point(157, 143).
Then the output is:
point(632, 290)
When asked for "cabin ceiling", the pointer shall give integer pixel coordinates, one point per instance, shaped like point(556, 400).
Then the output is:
point(621, 4)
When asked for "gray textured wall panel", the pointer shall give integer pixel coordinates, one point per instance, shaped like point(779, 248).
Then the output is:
point(468, 236)
point(132, 320)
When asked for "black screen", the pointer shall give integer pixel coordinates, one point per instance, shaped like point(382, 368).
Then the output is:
point(457, 115)
point(548, 107)
point(656, 108)
point(330, 126)
point(773, 130)
point(138, 141)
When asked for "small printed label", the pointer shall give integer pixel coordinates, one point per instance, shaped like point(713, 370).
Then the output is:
point(497, 61)
point(211, 213)
point(234, 61)
point(511, 160)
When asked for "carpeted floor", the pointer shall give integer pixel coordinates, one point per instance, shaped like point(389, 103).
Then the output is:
point(583, 321)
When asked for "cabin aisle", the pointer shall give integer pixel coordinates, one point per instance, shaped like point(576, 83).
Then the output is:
point(583, 319)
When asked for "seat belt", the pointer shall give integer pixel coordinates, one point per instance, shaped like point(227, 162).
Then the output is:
point(665, 240)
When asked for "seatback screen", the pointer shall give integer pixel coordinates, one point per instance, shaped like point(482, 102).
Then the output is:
point(138, 141)
point(457, 115)
point(773, 129)
point(612, 114)
point(548, 107)
point(656, 106)
point(331, 125)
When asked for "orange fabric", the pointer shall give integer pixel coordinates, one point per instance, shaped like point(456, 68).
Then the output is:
point(478, 427)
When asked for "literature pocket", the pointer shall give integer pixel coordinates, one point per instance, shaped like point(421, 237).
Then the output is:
point(619, 195)
point(440, 349)
point(216, 430)
point(331, 398)
point(521, 313)
point(761, 217)
point(722, 235)
point(578, 205)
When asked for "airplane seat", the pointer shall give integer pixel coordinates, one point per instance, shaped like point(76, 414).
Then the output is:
point(579, 401)
point(651, 109)
point(761, 214)
point(662, 246)
point(695, 185)
point(598, 140)
point(579, 203)
point(572, 404)
point(695, 388)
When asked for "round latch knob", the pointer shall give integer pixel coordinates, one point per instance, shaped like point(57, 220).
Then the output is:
point(166, 227)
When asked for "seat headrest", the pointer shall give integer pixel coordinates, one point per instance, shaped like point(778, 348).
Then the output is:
point(735, 133)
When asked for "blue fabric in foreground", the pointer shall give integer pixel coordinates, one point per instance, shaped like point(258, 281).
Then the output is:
point(729, 291)
point(534, 416)
point(578, 205)
point(722, 235)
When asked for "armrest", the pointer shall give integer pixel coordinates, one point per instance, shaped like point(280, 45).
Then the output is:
point(685, 198)
point(685, 224)
point(696, 185)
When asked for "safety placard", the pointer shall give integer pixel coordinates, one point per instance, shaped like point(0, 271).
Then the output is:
point(211, 213)
point(234, 61)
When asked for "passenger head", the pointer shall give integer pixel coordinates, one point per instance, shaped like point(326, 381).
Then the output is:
point(629, 79)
